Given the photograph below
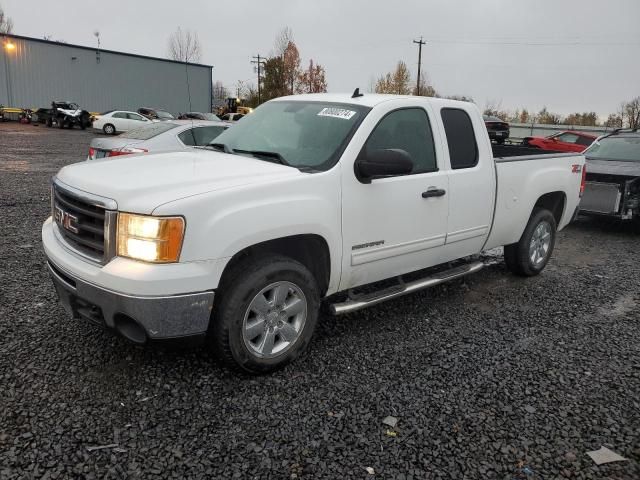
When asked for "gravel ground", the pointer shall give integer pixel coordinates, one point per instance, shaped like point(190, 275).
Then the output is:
point(493, 377)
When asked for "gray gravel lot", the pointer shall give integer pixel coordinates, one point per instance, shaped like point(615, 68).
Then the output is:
point(491, 377)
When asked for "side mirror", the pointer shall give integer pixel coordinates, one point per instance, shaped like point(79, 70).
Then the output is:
point(382, 163)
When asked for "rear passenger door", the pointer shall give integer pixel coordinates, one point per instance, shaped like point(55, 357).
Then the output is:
point(471, 181)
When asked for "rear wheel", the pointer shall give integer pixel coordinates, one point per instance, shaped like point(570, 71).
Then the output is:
point(531, 254)
point(265, 313)
point(109, 129)
point(61, 123)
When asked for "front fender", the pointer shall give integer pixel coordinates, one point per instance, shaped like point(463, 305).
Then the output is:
point(223, 223)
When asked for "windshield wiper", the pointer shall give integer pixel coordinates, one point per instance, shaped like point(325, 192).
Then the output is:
point(269, 156)
point(221, 147)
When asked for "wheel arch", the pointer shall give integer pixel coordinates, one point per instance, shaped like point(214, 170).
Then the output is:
point(555, 202)
point(311, 250)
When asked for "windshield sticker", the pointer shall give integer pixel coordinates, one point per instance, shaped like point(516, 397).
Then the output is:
point(337, 113)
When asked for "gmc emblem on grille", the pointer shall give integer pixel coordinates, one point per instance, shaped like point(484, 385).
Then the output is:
point(66, 220)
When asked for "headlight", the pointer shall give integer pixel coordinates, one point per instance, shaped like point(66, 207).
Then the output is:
point(150, 239)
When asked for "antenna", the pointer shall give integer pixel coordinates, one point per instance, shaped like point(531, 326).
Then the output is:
point(96, 34)
point(356, 93)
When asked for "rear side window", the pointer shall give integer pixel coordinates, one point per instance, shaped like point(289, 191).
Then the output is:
point(409, 130)
point(119, 115)
point(200, 136)
point(463, 149)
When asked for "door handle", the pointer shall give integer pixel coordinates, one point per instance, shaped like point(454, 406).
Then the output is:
point(434, 192)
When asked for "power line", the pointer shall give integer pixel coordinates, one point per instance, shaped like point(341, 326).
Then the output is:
point(420, 43)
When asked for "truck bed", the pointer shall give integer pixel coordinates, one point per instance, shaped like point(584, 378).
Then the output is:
point(506, 151)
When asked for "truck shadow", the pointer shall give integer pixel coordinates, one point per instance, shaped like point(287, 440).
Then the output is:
point(606, 225)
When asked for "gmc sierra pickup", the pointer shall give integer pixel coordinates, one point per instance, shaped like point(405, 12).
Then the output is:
point(346, 200)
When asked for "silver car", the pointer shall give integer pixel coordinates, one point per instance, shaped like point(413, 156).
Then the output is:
point(165, 136)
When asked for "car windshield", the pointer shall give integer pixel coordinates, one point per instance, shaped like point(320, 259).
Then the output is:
point(617, 148)
point(164, 115)
point(149, 131)
point(303, 134)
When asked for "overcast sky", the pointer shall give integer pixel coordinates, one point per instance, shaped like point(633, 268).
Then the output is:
point(568, 55)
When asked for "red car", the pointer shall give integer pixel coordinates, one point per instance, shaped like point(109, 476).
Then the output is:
point(567, 141)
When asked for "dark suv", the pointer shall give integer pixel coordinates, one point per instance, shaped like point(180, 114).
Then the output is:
point(498, 129)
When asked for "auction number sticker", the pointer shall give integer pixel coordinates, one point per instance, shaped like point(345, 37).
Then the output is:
point(336, 113)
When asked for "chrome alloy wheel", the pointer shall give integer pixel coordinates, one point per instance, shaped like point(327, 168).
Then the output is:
point(540, 243)
point(274, 319)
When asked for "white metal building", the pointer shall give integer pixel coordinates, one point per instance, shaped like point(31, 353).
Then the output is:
point(34, 72)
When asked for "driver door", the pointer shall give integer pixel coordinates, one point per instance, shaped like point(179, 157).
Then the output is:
point(397, 224)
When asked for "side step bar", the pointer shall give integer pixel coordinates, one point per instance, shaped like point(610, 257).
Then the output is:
point(353, 304)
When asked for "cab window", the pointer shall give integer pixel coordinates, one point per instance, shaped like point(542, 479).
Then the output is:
point(407, 129)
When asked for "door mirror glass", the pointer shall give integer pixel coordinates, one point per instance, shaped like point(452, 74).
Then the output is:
point(383, 163)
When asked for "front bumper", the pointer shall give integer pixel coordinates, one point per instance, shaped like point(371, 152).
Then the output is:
point(137, 318)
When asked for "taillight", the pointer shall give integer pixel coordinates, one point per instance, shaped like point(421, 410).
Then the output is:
point(584, 179)
point(92, 152)
point(126, 151)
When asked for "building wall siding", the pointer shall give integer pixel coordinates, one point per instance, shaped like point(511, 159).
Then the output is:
point(36, 73)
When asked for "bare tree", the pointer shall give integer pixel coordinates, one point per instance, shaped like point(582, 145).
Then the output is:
point(219, 91)
point(184, 46)
point(6, 24)
point(632, 111)
point(283, 39)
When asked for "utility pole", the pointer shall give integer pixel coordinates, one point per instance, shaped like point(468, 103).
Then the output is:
point(257, 59)
point(420, 43)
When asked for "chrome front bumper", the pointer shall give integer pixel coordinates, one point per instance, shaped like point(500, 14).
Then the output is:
point(137, 318)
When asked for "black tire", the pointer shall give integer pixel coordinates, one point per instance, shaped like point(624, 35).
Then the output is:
point(109, 129)
point(60, 123)
point(239, 288)
point(500, 141)
point(49, 123)
point(83, 125)
point(517, 255)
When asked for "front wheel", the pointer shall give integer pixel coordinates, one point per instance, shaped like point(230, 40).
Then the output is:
point(266, 313)
point(531, 254)
point(109, 129)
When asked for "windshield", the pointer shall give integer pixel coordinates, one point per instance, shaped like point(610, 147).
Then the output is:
point(304, 134)
point(623, 149)
point(165, 115)
point(149, 131)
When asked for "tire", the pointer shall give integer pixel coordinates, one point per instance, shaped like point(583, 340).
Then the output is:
point(500, 141)
point(525, 259)
point(49, 123)
point(109, 129)
point(83, 125)
point(60, 123)
point(249, 287)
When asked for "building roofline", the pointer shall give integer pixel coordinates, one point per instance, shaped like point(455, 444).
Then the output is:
point(102, 50)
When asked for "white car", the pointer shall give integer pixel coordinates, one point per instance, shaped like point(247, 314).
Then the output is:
point(156, 137)
point(117, 121)
point(369, 197)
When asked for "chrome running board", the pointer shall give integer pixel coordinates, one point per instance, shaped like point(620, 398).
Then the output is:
point(369, 299)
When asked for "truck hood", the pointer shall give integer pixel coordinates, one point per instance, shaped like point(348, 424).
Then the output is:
point(612, 167)
point(140, 183)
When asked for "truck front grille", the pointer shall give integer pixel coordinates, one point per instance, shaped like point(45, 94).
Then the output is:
point(84, 225)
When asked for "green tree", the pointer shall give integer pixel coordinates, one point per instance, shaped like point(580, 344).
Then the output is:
point(274, 82)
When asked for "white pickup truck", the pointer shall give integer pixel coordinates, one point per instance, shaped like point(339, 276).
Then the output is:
point(346, 200)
